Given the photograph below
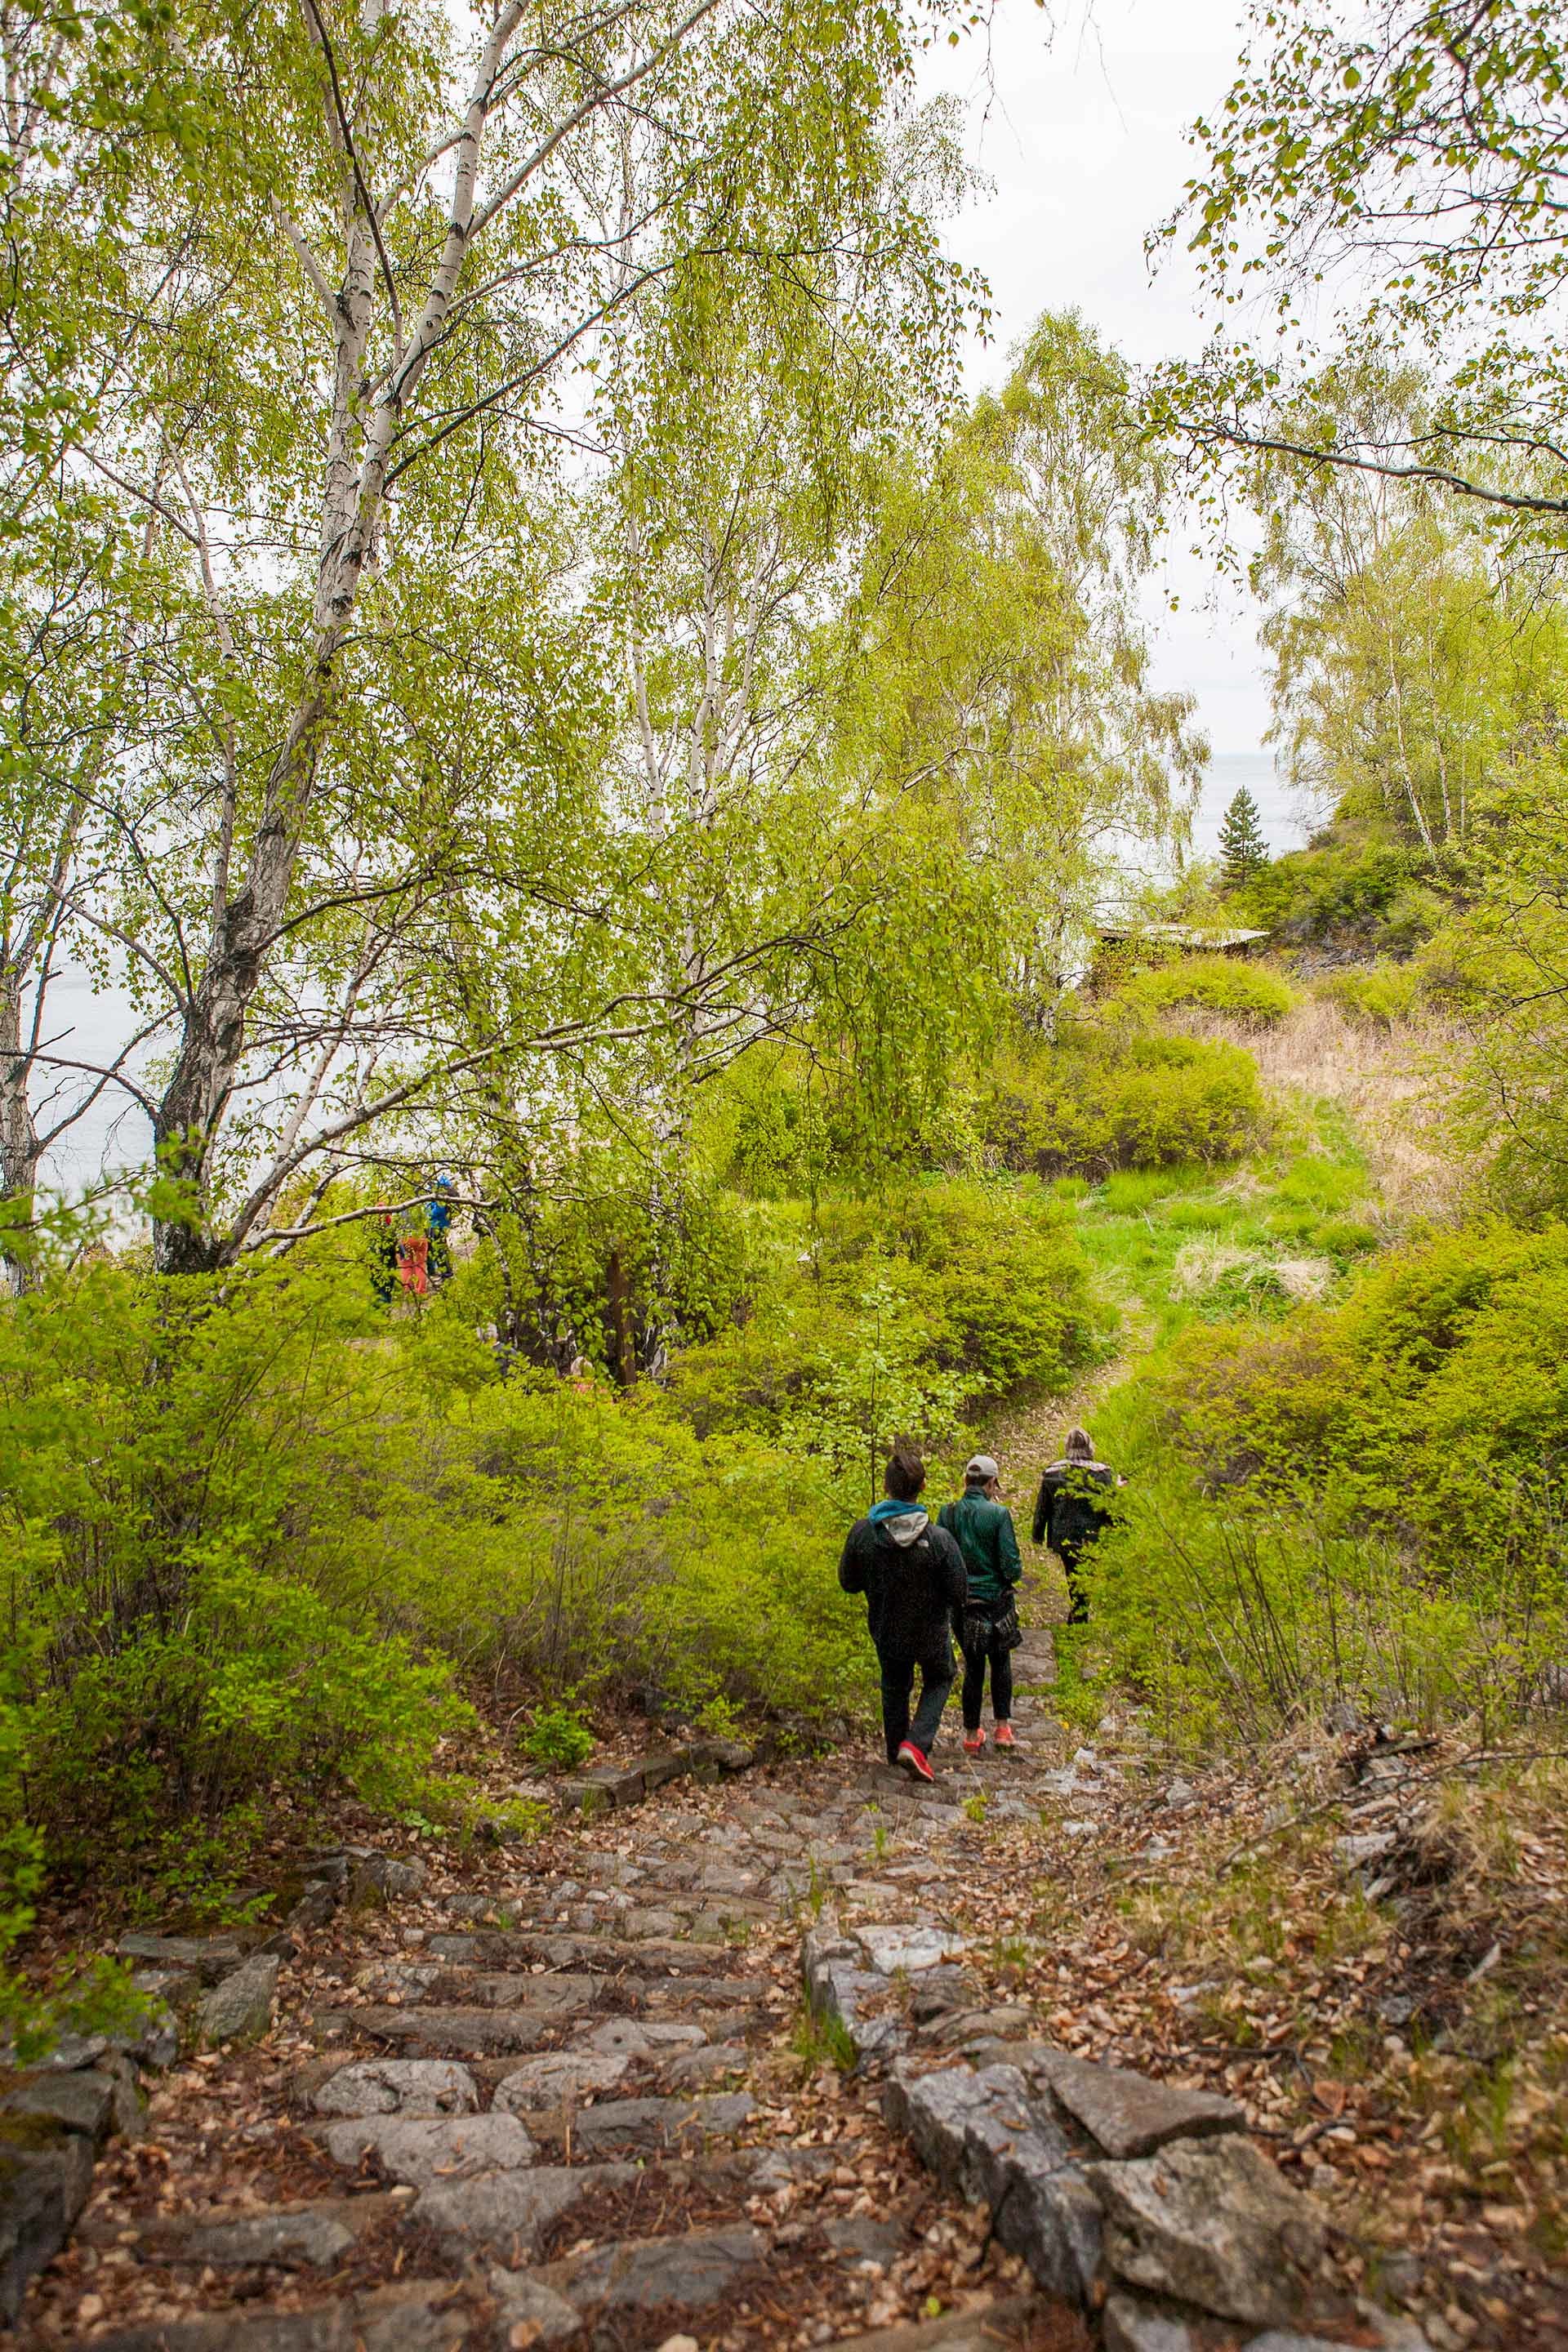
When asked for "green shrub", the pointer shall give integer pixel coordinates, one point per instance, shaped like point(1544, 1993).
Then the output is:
point(557, 1735)
point(1233, 1620)
point(1364, 1500)
point(608, 1271)
point(1377, 997)
point(903, 1314)
point(183, 1477)
point(1215, 983)
point(1349, 886)
point(1115, 1093)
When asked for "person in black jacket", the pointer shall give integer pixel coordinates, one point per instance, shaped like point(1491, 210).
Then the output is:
point(913, 1576)
point(1069, 1512)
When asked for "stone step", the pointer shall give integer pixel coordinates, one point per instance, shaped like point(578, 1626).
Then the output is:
point(536, 2089)
point(389, 2087)
point(990, 2323)
point(724, 2010)
point(649, 2126)
point(415, 2316)
point(442, 1984)
point(691, 2272)
point(592, 1955)
point(416, 2151)
point(567, 1992)
point(294, 2237)
point(435, 2032)
point(505, 2214)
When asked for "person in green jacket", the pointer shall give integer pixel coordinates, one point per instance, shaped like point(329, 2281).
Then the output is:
point(986, 1535)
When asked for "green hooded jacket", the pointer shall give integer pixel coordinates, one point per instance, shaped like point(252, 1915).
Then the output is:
point(990, 1547)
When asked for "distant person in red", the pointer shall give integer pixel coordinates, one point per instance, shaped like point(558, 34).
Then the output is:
point(414, 1263)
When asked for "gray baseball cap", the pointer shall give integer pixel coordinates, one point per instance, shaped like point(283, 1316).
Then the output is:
point(979, 1469)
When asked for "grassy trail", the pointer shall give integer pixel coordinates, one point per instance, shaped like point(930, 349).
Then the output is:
point(1245, 1243)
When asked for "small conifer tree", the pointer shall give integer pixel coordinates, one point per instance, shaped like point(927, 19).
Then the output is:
point(1241, 847)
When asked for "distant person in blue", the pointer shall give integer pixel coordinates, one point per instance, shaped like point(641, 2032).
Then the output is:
point(440, 1220)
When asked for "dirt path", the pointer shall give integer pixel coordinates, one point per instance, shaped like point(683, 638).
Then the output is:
point(1025, 1437)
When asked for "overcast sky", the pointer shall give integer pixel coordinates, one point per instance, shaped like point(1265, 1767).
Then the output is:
point(1083, 136)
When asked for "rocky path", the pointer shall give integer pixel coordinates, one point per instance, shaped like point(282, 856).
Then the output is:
point(571, 2095)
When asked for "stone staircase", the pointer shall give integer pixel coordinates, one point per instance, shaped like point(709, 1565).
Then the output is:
point(555, 2107)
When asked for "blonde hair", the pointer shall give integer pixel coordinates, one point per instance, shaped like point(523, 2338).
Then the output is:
point(1080, 1446)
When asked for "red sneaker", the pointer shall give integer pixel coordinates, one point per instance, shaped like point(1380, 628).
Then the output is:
point(974, 1741)
point(914, 1763)
point(1004, 1735)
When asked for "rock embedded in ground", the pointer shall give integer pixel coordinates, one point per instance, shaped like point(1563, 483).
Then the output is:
point(1131, 2325)
point(894, 1951)
point(722, 1878)
point(241, 2008)
point(844, 1992)
point(506, 2213)
point(725, 1756)
point(1395, 2335)
point(398, 2086)
point(367, 1876)
point(640, 2037)
point(656, 2123)
point(46, 2172)
point(706, 2065)
point(421, 2150)
point(1211, 2223)
point(571, 2075)
point(82, 2102)
point(1126, 2114)
point(446, 2033)
point(861, 2240)
point(607, 1787)
point(692, 2271)
point(417, 2315)
point(523, 2301)
point(210, 1958)
point(304, 2238)
point(983, 2136)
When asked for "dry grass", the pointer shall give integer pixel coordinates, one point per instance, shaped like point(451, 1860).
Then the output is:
point(1388, 1083)
point(1202, 1263)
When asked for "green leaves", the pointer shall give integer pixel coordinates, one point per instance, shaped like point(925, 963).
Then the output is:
point(1412, 158)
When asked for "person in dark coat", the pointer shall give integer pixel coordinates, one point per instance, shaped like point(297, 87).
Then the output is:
point(982, 1526)
point(1070, 1510)
point(913, 1576)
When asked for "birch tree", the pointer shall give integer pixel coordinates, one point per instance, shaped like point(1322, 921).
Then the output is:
point(1006, 688)
point(369, 343)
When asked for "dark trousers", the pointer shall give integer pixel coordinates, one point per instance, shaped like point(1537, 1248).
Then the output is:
point(1071, 1555)
point(999, 1657)
point(897, 1682)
